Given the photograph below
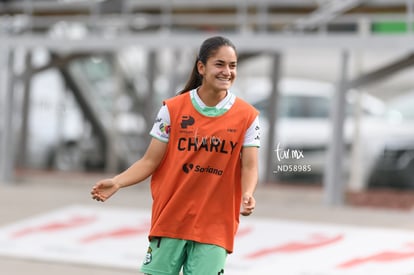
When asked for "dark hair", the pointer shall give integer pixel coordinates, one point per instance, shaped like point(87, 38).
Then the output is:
point(207, 49)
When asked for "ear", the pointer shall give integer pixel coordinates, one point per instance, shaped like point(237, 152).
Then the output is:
point(200, 68)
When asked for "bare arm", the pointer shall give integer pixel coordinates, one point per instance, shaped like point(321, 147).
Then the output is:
point(136, 173)
point(249, 178)
point(144, 167)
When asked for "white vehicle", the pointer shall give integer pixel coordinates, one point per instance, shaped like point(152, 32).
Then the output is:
point(60, 136)
point(55, 124)
point(394, 167)
point(303, 130)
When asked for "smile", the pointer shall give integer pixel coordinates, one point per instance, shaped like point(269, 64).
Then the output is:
point(223, 79)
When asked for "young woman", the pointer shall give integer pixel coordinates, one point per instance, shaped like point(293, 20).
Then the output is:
point(203, 163)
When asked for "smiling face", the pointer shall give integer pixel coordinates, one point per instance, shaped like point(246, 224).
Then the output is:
point(220, 70)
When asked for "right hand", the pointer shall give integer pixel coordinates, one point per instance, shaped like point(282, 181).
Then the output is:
point(104, 189)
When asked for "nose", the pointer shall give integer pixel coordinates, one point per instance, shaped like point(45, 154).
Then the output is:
point(226, 70)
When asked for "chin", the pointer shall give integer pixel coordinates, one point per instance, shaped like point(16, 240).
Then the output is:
point(224, 86)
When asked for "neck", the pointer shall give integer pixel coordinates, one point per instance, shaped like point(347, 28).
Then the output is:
point(211, 98)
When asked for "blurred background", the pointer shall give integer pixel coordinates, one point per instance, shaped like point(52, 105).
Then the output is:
point(81, 82)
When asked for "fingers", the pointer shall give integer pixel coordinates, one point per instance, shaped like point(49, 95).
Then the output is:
point(246, 212)
point(102, 190)
point(248, 205)
point(96, 194)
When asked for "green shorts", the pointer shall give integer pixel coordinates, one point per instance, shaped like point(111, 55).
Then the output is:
point(166, 256)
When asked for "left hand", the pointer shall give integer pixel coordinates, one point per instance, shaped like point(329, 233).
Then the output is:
point(248, 204)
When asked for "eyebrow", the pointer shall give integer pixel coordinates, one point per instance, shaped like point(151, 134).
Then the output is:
point(222, 61)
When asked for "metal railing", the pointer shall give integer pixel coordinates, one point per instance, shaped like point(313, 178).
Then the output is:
point(263, 16)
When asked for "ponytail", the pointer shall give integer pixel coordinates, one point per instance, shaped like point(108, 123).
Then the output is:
point(194, 81)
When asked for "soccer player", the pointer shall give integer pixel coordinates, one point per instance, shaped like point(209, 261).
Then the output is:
point(203, 165)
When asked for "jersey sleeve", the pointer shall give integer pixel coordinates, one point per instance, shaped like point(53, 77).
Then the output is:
point(252, 137)
point(161, 128)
